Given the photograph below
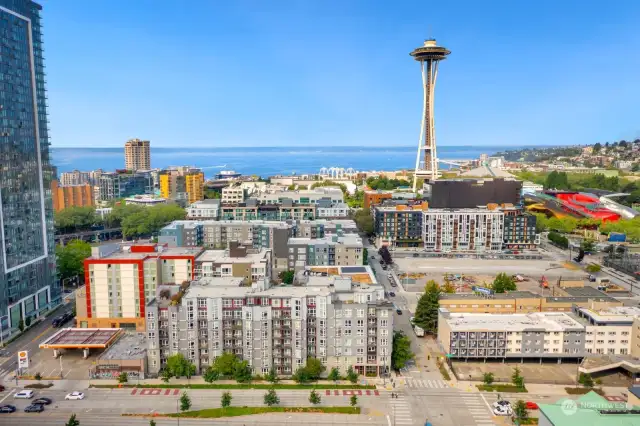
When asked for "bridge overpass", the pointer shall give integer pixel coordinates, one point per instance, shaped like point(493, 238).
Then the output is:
point(90, 236)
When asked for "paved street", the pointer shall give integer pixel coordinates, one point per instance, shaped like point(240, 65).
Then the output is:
point(28, 341)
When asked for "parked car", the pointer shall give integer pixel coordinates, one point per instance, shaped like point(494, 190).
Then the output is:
point(24, 394)
point(34, 408)
point(531, 405)
point(57, 322)
point(2, 388)
point(399, 311)
point(42, 401)
point(7, 409)
point(393, 284)
point(392, 294)
point(74, 395)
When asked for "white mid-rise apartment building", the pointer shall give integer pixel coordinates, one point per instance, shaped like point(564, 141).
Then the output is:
point(343, 320)
point(232, 194)
point(477, 230)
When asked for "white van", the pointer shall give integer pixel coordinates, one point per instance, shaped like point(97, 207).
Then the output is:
point(24, 394)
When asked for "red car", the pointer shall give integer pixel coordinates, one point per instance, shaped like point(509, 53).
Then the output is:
point(531, 405)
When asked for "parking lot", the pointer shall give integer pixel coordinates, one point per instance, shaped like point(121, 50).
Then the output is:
point(481, 271)
point(533, 372)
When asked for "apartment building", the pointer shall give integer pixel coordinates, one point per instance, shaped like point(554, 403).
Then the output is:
point(329, 209)
point(319, 228)
point(182, 184)
point(182, 233)
point(374, 197)
point(251, 209)
point(236, 261)
point(343, 320)
point(137, 155)
point(310, 196)
point(609, 330)
point(75, 177)
point(116, 185)
point(555, 335)
point(121, 278)
point(520, 230)
point(331, 250)
point(145, 200)
point(475, 230)
point(65, 196)
point(232, 194)
point(399, 224)
point(204, 210)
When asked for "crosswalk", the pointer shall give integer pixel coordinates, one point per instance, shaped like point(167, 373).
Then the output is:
point(6, 374)
point(426, 383)
point(401, 411)
point(478, 409)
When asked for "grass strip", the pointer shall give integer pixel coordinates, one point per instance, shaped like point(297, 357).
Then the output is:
point(502, 388)
point(213, 413)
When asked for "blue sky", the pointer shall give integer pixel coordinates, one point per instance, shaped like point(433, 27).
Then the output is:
point(318, 73)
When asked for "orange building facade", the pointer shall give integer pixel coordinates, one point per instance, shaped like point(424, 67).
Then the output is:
point(65, 196)
point(372, 198)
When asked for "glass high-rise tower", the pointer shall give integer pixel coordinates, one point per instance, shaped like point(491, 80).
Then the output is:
point(28, 284)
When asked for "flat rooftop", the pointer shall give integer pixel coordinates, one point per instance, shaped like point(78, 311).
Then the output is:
point(222, 256)
point(128, 346)
point(584, 292)
point(547, 321)
point(589, 410)
point(498, 296)
point(612, 314)
point(347, 240)
point(82, 338)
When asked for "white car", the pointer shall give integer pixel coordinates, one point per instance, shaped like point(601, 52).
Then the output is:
point(24, 394)
point(503, 411)
point(74, 395)
point(502, 404)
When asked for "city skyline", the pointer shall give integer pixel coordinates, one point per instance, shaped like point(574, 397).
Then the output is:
point(336, 74)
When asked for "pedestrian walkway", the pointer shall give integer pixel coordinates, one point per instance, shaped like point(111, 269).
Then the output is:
point(426, 383)
point(478, 409)
point(400, 410)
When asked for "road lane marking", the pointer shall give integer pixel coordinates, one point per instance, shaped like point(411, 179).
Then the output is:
point(7, 395)
point(485, 401)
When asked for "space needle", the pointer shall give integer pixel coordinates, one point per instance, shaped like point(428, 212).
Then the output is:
point(429, 56)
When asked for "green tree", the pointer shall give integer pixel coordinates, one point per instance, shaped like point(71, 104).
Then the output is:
point(353, 401)
point(586, 380)
point(516, 378)
point(152, 422)
point(271, 398)
point(149, 220)
point(225, 400)
point(225, 364)
point(364, 221)
point(301, 375)
point(73, 421)
point(38, 376)
point(352, 375)
point(185, 402)
point(314, 368)
point(314, 398)
point(178, 365)
point(426, 316)
point(287, 276)
point(211, 374)
point(520, 410)
point(73, 219)
point(70, 258)
point(210, 194)
point(596, 148)
point(401, 352)
point(123, 378)
point(272, 375)
point(487, 378)
point(503, 283)
point(166, 375)
point(448, 287)
point(242, 372)
point(21, 325)
point(334, 374)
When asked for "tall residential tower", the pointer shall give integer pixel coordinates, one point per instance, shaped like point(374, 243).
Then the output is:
point(28, 284)
point(137, 155)
point(429, 56)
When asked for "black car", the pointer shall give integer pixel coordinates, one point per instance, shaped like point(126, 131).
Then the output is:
point(34, 408)
point(7, 409)
point(399, 311)
point(57, 322)
point(392, 294)
point(42, 401)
